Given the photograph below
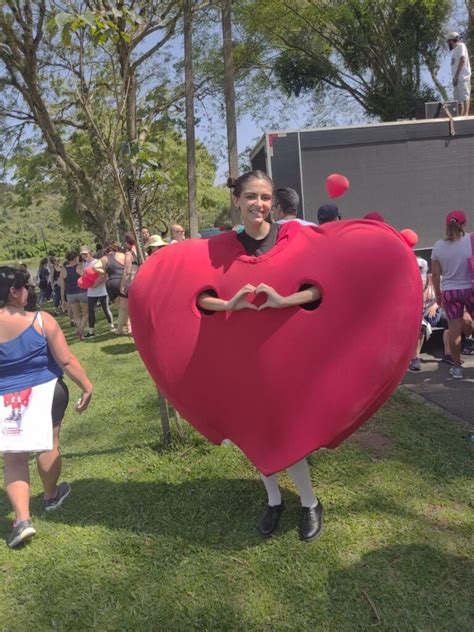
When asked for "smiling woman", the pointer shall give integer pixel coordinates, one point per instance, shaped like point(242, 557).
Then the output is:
point(253, 195)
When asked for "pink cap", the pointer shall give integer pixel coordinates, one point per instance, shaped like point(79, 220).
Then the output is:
point(456, 216)
point(375, 215)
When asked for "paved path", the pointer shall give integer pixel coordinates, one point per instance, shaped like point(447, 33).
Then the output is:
point(435, 384)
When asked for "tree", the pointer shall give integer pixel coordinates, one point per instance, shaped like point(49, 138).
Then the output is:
point(373, 50)
point(229, 93)
point(190, 135)
point(81, 81)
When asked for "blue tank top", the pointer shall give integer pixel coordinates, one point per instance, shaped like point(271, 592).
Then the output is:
point(70, 282)
point(26, 361)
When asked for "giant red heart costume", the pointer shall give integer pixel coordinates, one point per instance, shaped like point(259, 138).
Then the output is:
point(281, 383)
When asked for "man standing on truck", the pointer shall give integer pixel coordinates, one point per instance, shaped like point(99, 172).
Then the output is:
point(461, 72)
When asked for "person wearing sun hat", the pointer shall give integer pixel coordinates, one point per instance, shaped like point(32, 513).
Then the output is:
point(154, 243)
point(449, 260)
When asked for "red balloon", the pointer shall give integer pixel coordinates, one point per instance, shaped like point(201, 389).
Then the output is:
point(272, 380)
point(336, 185)
point(409, 236)
point(88, 279)
point(92, 274)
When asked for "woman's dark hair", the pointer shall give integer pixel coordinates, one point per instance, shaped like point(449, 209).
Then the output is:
point(43, 262)
point(11, 277)
point(237, 184)
point(71, 255)
point(112, 246)
point(129, 239)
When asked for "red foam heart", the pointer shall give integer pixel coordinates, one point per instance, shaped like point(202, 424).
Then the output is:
point(281, 383)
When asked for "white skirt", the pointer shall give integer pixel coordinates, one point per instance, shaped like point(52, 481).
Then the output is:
point(25, 419)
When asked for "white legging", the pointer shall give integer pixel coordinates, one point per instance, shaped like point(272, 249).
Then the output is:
point(299, 474)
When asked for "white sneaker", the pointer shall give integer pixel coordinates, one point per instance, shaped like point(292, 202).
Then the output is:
point(456, 372)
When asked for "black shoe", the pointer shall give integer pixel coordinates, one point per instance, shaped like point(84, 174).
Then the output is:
point(311, 522)
point(270, 519)
point(64, 489)
point(89, 335)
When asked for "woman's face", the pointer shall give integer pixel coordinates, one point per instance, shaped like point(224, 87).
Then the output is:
point(255, 201)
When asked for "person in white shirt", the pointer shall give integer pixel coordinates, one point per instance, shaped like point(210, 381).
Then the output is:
point(285, 207)
point(461, 73)
point(97, 292)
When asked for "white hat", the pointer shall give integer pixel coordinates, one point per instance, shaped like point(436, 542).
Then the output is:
point(453, 35)
point(155, 241)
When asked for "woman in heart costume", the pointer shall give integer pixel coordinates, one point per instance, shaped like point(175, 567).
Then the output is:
point(233, 334)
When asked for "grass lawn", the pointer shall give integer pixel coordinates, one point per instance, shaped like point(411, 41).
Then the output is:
point(154, 539)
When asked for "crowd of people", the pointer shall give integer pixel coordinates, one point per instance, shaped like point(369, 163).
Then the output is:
point(34, 353)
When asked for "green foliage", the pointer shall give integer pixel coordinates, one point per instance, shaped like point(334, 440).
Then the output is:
point(23, 226)
point(375, 51)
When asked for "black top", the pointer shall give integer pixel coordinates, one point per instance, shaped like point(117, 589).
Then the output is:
point(257, 247)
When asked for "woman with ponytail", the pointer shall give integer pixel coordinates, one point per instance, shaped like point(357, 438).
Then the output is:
point(453, 282)
point(34, 355)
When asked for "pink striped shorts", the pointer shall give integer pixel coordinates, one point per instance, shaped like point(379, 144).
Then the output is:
point(455, 301)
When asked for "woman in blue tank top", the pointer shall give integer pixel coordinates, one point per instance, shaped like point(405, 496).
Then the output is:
point(33, 357)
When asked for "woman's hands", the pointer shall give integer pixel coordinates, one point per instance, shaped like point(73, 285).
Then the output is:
point(84, 401)
point(274, 300)
point(239, 300)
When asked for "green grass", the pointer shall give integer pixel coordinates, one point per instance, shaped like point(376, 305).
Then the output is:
point(154, 539)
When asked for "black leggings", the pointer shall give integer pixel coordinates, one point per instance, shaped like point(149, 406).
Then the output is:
point(60, 402)
point(104, 303)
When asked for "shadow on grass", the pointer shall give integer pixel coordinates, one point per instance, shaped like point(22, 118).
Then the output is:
point(119, 349)
point(218, 513)
point(404, 587)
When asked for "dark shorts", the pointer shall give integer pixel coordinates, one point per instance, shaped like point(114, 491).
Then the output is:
point(455, 301)
point(113, 289)
point(60, 402)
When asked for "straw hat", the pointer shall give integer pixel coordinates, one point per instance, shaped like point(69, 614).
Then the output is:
point(155, 241)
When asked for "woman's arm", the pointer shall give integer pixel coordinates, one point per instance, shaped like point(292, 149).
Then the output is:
point(127, 271)
point(67, 361)
point(62, 285)
point(310, 294)
point(436, 278)
point(209, 303)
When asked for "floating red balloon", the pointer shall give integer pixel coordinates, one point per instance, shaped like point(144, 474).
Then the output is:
point(88, 279)
point(409, 236)
point(336, 185)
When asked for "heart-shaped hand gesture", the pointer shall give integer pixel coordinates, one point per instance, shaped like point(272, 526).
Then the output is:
point(239, 300)
point(274, 299)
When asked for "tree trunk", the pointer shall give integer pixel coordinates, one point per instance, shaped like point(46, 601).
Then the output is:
point(165, 420)
point(229, 93)
point(130, 90)
point(190, 137)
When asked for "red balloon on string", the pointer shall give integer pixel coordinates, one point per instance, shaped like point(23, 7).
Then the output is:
point(336, 185)
point(409, 236)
